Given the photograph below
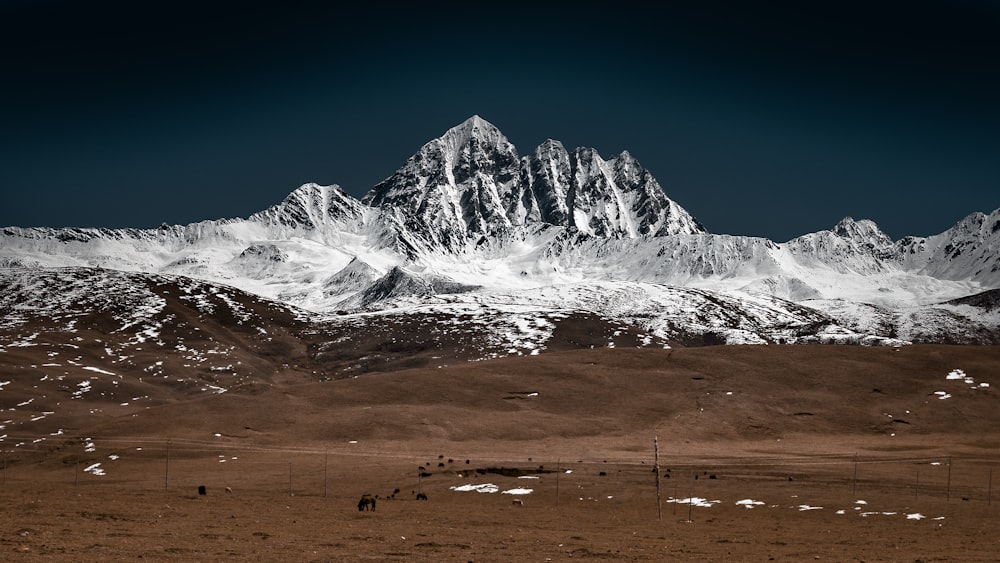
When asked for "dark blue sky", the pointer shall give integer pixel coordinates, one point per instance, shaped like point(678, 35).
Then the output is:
point(771, 120)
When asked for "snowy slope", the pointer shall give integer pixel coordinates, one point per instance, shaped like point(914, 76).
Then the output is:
point(969, 250)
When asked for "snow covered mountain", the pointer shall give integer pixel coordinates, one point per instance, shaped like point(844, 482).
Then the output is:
point(968, 250)
point(467, 222)
point(470, 184)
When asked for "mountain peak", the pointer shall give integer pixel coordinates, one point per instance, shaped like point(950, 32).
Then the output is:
point(456, 188)
point(476, 121)
point(844, 226)
point(312, 206)
point(550, 144)
point(470, 183)
point(474, 127)
point(863, 230)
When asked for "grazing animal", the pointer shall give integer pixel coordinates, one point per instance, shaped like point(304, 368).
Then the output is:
point(421, 496)
point(517, 502)
point(367, 501)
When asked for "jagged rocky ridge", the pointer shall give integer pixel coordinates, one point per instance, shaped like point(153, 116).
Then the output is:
point(467, 219)
point(471, 183)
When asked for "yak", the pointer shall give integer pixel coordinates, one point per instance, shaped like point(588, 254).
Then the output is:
point(367, 501)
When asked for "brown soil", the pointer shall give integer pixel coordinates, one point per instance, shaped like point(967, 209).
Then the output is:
point(795, 428)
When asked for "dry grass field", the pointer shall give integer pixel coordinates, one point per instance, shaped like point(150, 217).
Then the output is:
point(837, 454)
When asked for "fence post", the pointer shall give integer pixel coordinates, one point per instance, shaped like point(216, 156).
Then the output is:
point(558, 471)
point(949, 478)
point(690, 497)
point(166, 469)
point(675, 497)
point(656, 470)
point(854, 488)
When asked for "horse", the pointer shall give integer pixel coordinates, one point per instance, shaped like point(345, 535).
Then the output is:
point(367, 501)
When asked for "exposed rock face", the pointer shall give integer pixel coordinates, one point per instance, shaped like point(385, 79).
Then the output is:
point(470, 183)
point(613, 198)
point(312, 206)
point(456, 188)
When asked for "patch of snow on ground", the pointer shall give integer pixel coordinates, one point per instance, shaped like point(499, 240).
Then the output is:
point(696, 501)
point(236, 308)
point(958, 374)
point(95, 469)
point(484, 488)
point(84, 386)
point(518, 492)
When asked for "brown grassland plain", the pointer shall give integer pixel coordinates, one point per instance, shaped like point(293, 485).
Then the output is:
point(847, 454)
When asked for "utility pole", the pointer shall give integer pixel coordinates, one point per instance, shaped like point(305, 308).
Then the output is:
point(691, 497)
point(166, 469)
point(949, 477)
point(854, 489)
point(558, 471)
point(656, 470)
point(989, 487)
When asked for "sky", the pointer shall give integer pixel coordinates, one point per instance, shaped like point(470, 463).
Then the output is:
point(766, 119)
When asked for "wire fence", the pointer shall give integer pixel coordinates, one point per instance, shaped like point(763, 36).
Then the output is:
point(151, 464)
